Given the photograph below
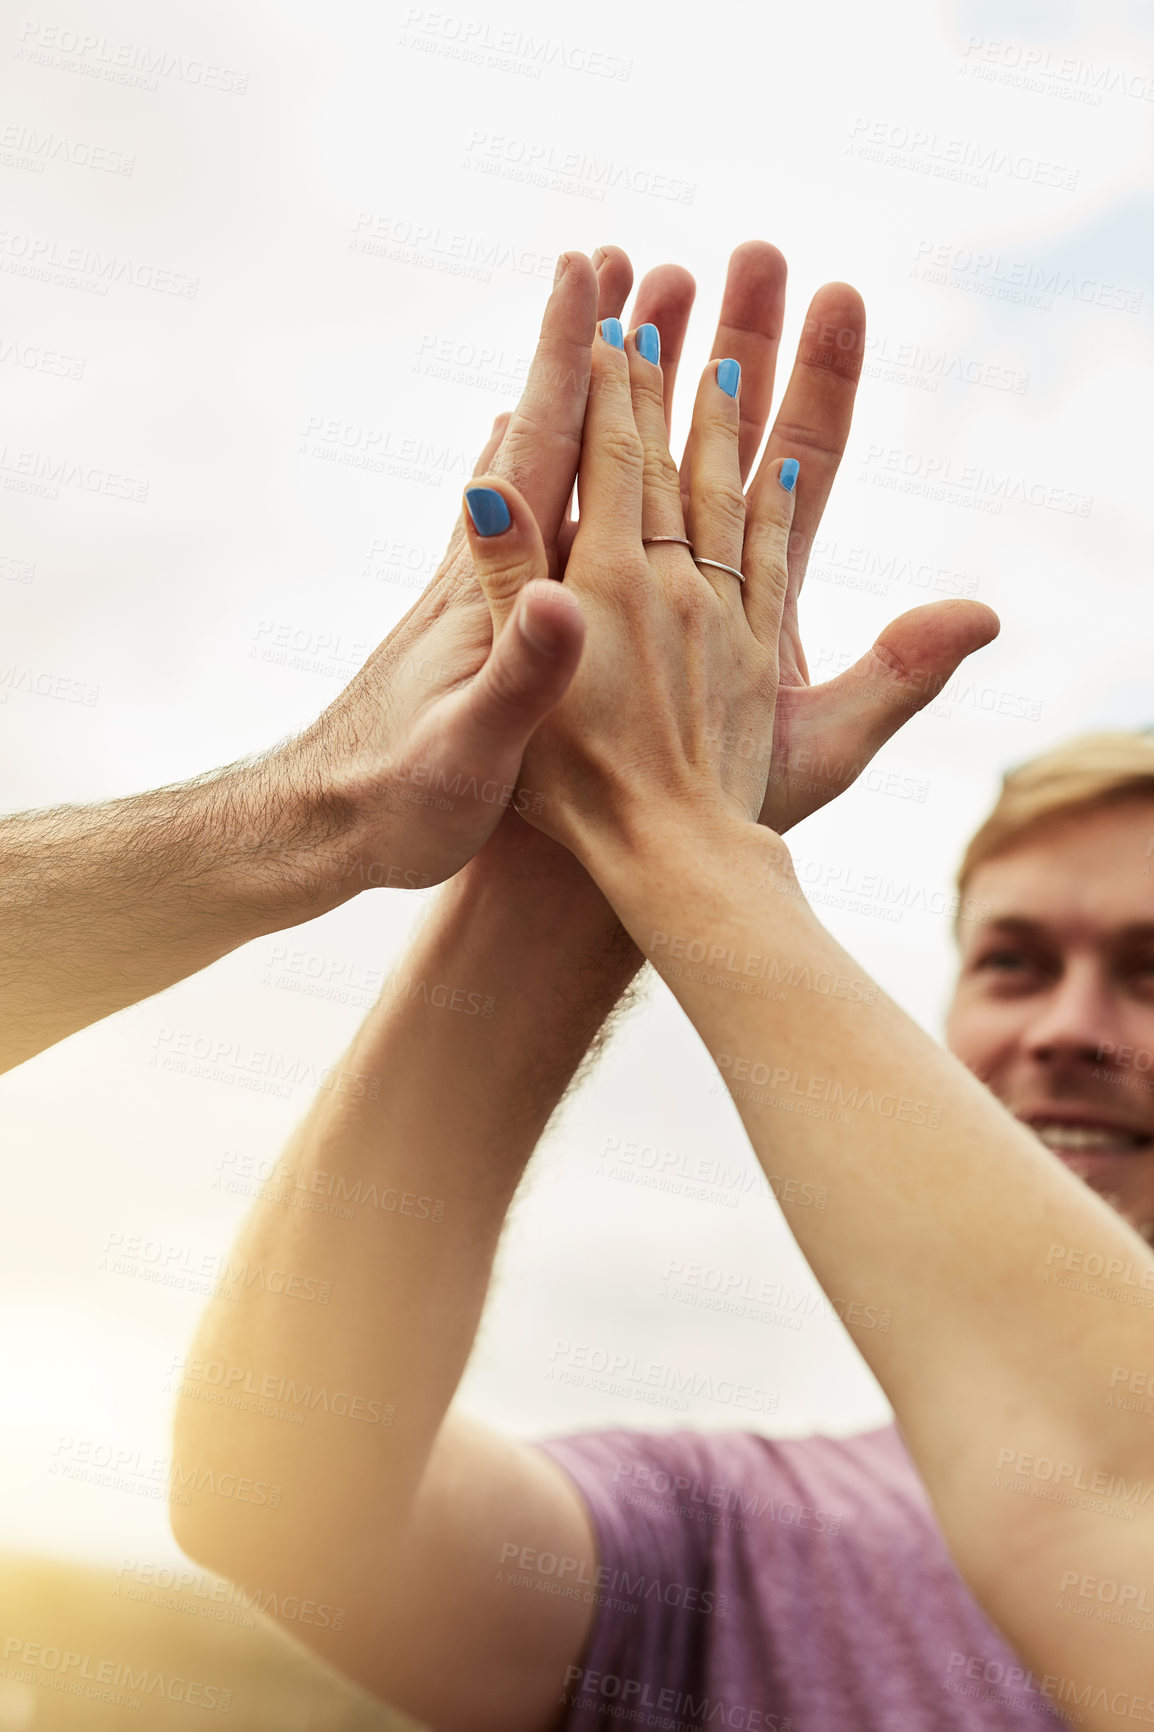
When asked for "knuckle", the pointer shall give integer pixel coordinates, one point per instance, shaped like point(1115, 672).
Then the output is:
point(505, 576)
point(723, 500)
point(622, 446)
point(661, 471)
point(694, 604)
point(767, 547)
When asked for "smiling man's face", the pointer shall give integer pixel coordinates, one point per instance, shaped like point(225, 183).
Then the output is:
point(1054, 1006)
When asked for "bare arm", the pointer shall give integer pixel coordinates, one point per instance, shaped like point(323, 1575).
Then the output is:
point(945, 1211)
point(103, 905)
point(398, 1515)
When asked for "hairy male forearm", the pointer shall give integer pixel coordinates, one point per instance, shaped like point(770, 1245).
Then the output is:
point(391, 1201)
point(101, 906)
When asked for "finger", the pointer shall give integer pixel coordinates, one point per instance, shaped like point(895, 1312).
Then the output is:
point(665, 299)
point(542, 444)
point(749, 330)
point(850, 718)
point(609, 481)
point(614, 281)
point(499, 428)
point(716, 516)
point(813, 421)
point(529, 669)
point(661, 489)
point(766, 557)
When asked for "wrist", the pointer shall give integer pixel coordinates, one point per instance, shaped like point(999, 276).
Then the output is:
point(525, 890)
point(291, 848)
point(688, 865)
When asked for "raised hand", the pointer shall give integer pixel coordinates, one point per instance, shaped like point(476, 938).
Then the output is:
point(825, 735)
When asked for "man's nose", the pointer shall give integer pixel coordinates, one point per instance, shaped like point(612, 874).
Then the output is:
point(1078, 1019)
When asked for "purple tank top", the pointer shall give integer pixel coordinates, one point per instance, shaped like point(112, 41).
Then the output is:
point(778, 1586)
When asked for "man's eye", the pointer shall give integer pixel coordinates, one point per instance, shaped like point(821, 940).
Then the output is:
point(1007, 960)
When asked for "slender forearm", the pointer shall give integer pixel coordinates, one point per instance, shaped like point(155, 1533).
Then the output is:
point(101, 906)
point(407, 1183)
point(942, 1210)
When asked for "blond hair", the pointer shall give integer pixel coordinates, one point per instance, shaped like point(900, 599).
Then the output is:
point(1095, 770)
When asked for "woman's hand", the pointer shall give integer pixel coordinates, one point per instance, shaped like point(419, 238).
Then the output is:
point(675, 697)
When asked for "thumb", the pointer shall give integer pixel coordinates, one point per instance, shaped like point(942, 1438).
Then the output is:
point(538, 628)
point(911, 662)
point(505, 542)
point(841, 724)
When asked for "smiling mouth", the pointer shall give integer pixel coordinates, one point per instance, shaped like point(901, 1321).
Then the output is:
point(1089, 1139)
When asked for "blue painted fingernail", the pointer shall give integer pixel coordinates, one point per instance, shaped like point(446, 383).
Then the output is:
point(649, 343)
point(788, 476)
point(612, 332)
point(729, 376)
point(488, 510)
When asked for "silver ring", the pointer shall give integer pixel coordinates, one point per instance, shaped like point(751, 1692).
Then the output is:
point(648, 540)
point(731, 569)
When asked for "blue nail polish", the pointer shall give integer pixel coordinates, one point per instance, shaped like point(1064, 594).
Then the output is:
point(788, 476)
point(488, 510)
point(612, 332)
point(729, 376)
point(649, 343)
